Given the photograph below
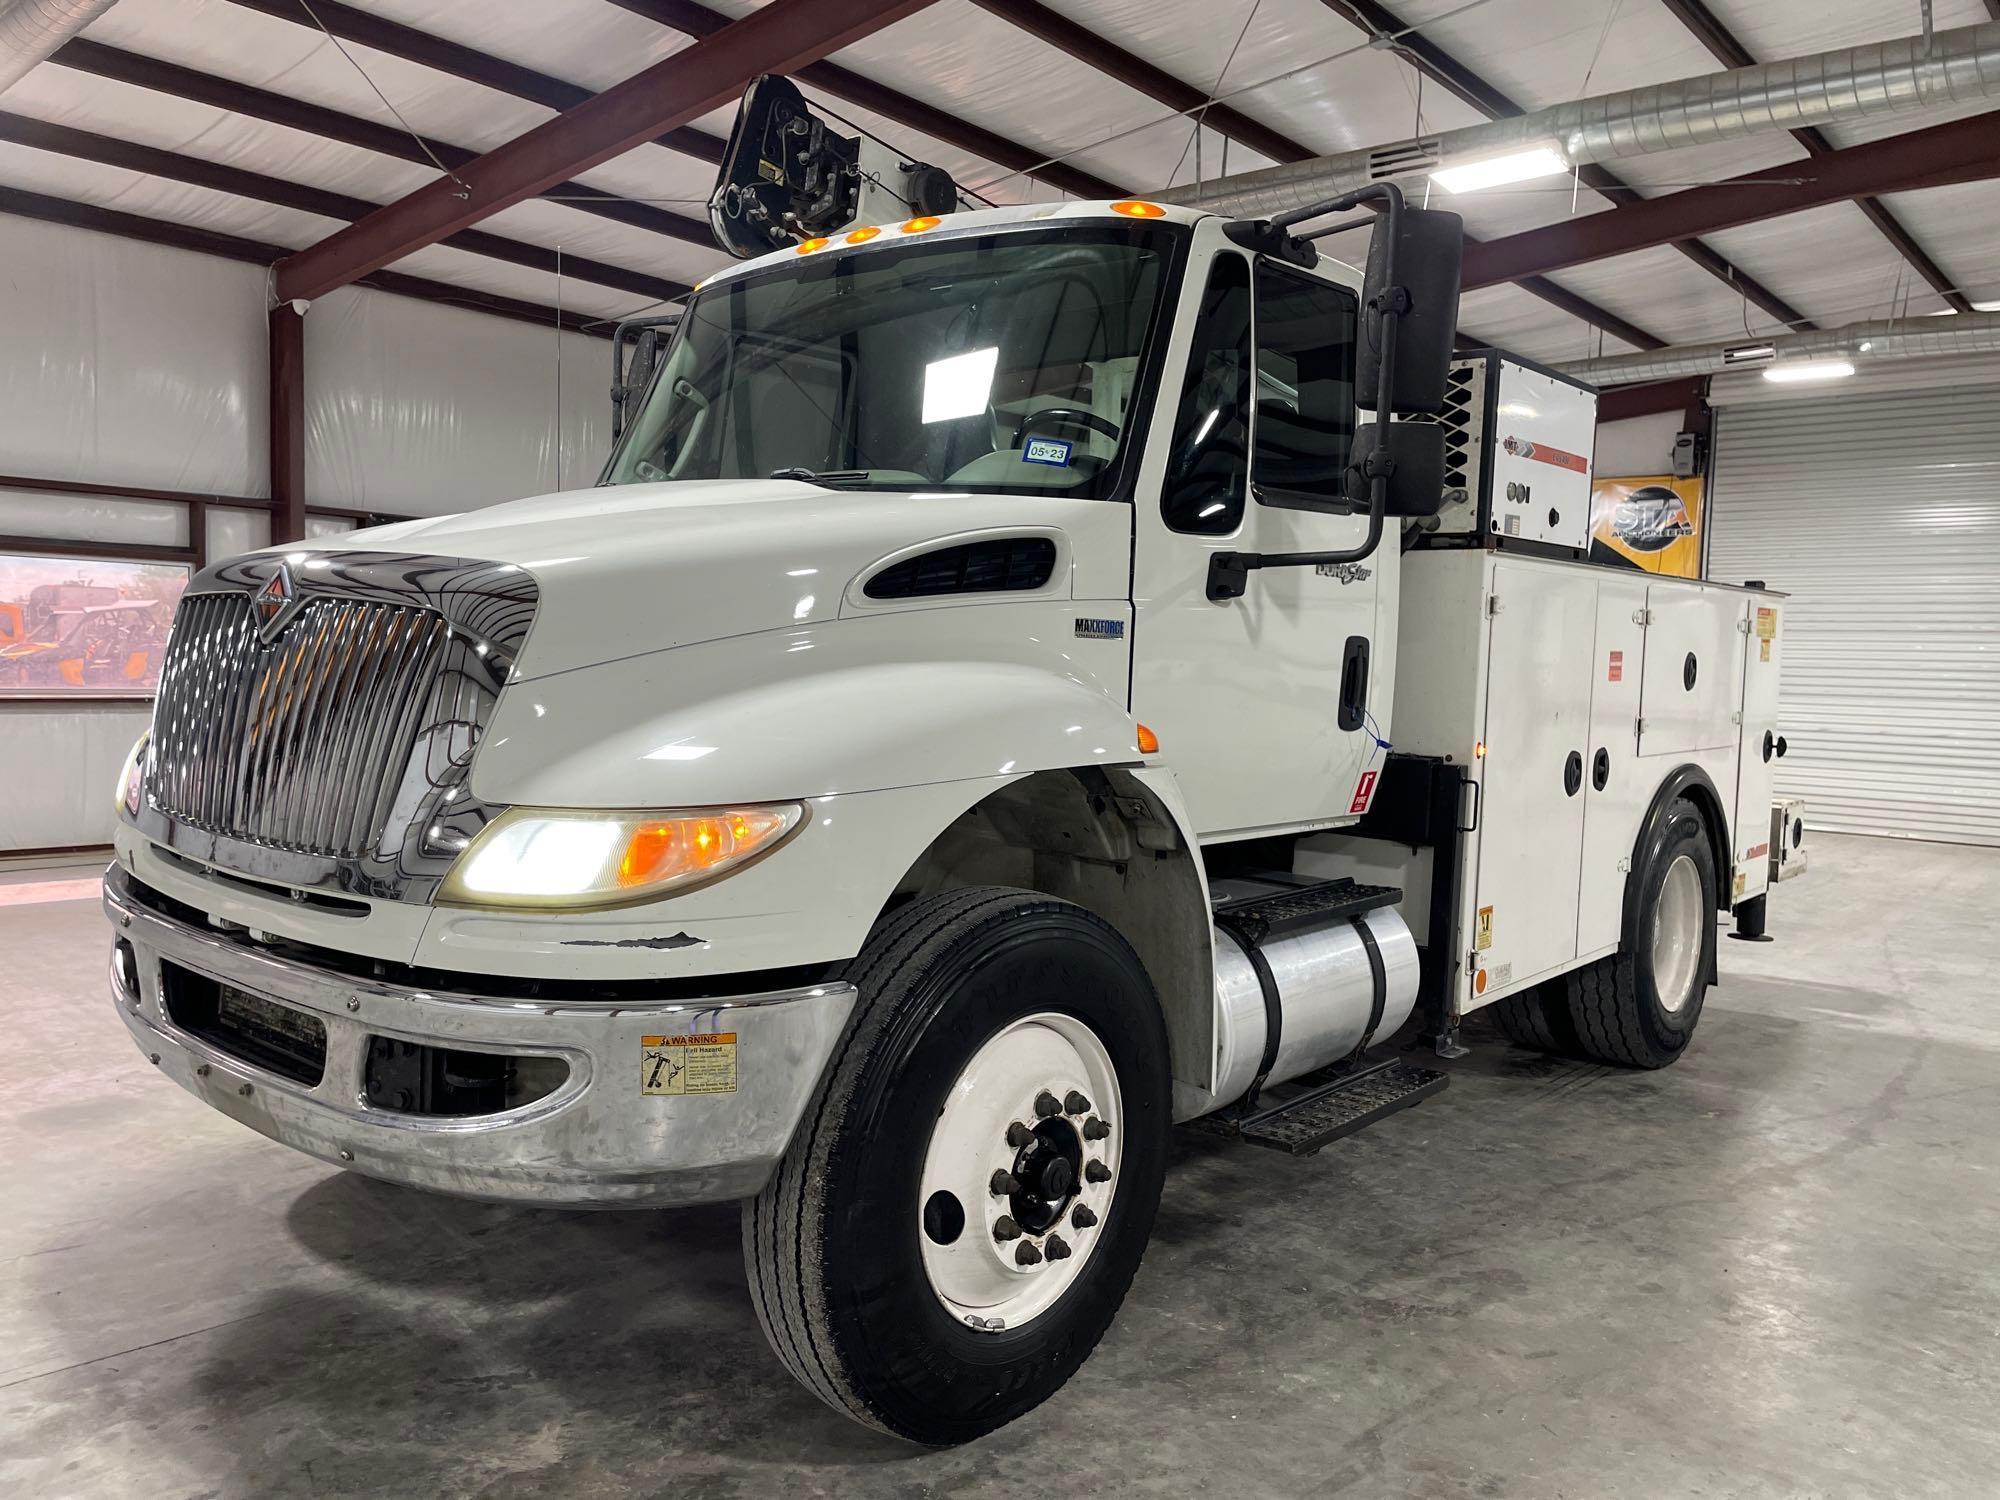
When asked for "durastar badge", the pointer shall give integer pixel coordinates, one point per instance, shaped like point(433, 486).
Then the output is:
point(1345, 572)
point(1099, 630)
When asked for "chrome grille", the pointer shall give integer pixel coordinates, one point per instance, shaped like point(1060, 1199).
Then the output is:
point(308, 743)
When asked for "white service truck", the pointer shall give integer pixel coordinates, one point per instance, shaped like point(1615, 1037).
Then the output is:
point(998, 702)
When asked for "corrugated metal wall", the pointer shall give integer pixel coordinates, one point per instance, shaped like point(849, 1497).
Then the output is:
point(1881, 517)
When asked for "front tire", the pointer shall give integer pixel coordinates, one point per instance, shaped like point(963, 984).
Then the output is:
point(1639, 1007)
point(881, 1269)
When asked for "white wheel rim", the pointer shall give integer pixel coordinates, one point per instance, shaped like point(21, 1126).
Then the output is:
point(979, 1276)
point(1677, 919)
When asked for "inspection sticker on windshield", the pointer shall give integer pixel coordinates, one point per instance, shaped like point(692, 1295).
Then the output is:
point(1051, 451)
point(703, 1064)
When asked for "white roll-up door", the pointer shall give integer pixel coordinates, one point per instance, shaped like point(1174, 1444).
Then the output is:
point(1881, 517)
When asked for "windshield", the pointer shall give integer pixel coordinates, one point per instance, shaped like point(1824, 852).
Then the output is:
point(1002, 361)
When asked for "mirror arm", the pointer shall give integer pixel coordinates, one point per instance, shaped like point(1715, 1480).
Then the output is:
point(1229, 572)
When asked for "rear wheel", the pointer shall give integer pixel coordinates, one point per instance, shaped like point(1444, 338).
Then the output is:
point(1538, 1018)
point(1639, 1007)
point(969, 1194)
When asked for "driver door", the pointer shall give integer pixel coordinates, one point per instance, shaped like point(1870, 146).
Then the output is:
point(1249, 439)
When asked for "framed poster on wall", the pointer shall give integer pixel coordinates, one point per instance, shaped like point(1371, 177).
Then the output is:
point(78, 627)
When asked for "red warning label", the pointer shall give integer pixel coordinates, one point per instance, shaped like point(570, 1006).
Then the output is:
point(1542, 453)
point(1362, 793)
point(1616, 671)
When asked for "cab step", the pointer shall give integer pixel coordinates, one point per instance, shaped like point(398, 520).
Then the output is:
point(1305, 1122)
point(1263, 906)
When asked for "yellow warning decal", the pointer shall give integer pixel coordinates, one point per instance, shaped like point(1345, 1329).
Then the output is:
point(1767, 624)
point(1482, 930)
point(704, 1064)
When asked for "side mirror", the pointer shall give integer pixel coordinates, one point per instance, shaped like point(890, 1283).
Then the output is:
point(1415, 451)
point(1429, 247)
point(636, 346)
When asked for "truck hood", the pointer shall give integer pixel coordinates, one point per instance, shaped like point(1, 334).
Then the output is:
point(625, 570)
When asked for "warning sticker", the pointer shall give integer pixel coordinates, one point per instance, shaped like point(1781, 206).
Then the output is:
point(1362, 793)
point(703, 1064)
point(1482, 929)
point(1767, 624)
point(1503, 974)
point(1738, 886)
point(1763, 651)
point(1616, 671)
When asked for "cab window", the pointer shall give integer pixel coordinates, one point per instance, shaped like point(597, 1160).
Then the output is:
point(1305, 387)
point(1207, 467)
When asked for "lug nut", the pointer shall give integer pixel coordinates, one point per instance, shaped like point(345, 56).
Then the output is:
point(1003, 1184)
point(1019, 1135)
point(1025, 1254)
point(1096, 1171)
point(1081, 1217)
point(1005, 1229)
point(1095, 1129)
point(1075, 1104)
point(1057, 1247)
point(1047, 1105)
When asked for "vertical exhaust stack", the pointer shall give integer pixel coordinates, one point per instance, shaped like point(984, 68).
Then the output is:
point(1853, 83)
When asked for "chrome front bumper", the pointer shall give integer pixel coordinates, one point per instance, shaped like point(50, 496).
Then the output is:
point(596, 1141)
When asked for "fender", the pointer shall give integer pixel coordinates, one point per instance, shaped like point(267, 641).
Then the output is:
point(1694, 783)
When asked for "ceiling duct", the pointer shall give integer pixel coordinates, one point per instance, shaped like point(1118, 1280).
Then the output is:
point(1926, 337)
point(1853, 83)
point(31, 29)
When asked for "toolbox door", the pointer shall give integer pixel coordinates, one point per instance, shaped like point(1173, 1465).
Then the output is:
point(1750, 828)
point(1693, 674)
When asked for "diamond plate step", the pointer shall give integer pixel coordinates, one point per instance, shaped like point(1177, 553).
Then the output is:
point(1302, 1125)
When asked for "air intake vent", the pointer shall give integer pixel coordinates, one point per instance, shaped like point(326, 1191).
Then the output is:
point(1009, 564)
point(1404, 159)
point(1464, 404)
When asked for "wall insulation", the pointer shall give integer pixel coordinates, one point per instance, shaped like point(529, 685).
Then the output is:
point(124, 363)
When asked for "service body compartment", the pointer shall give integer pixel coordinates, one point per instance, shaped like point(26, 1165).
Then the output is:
point(1563, 693)
point(1754, 847)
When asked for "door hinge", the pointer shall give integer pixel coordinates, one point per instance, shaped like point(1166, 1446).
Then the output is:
point(1492, 605)
point(1625, 864)
point(1737, 718)
point(1638, 729)
point(1642, 617)
point(1743, 626)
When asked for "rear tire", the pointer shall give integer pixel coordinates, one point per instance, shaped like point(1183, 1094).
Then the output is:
point(1639, 1007)
point(1538, 1018)
point(841, 1246)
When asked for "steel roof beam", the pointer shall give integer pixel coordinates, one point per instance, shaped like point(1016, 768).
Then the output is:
point(1441, 67)
point(64, 140)
point(1963, 151)
point(781, 37)
point(1136, 73)
point(406, 42)
point(691, 19)
point(1727, 50)
point(100, 61)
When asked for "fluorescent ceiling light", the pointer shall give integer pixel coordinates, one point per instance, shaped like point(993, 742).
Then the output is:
point(1494, 171)
point(1811, 369)
point(1952, 312)
point(959, 386)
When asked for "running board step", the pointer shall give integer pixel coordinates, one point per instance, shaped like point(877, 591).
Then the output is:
point(1304, 1124)
point(1270, 912)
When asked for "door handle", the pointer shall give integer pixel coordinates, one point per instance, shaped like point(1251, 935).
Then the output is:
point(1573, 773)
point(1600, 769)
point(1353, 685)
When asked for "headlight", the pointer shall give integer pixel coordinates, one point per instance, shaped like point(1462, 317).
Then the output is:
point(536, 857)
point(132, 779)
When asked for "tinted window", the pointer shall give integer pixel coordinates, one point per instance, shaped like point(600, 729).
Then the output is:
point(1206, 469)
point(1305, 384)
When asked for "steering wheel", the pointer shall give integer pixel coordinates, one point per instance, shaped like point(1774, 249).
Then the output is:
point(1074, 415)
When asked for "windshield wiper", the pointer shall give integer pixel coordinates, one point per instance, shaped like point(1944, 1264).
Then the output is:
point(831, 479)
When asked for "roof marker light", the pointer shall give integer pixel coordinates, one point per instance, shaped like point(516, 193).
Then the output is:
point(806, 247)
point(920, 223)
point(1136, 208)
point(863, 236)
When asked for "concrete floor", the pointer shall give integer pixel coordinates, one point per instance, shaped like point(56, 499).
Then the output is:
point(1769, 1270)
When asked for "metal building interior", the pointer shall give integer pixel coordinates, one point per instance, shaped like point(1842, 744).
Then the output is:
point(275, 271)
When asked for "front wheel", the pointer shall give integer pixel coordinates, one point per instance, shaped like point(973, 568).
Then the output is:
point(969, 1194)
